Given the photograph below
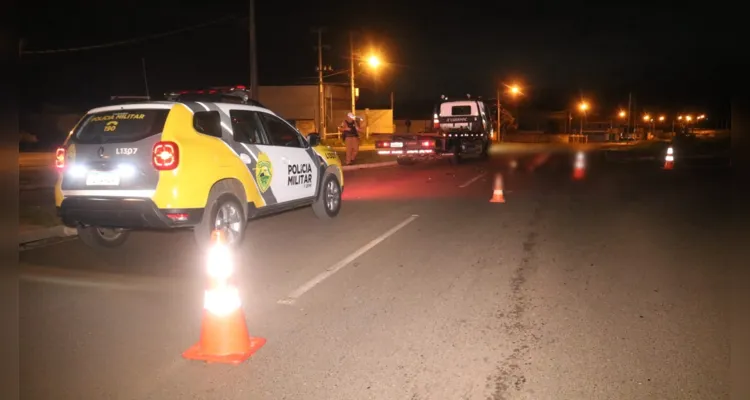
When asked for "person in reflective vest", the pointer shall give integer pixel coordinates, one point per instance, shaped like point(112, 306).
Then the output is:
point(350, 129)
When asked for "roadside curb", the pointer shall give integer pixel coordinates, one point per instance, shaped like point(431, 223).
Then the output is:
point(45, 233)
point(366, 166)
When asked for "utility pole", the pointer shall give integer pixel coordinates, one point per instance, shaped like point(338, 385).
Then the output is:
point(583, 116)
point(145, 76)
point(321, 97)
point(392, 101)
point(351, 70)
point(499, 116)
point(253, 56)
point(630, 113)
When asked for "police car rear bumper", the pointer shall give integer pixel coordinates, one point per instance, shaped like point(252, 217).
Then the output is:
point(130, 213)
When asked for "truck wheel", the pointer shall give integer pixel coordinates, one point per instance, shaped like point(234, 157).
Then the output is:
point(485, 150)
point(328, 203)
point(457, 158)
point(224, 213)
point(107, 238)
point(405, 161)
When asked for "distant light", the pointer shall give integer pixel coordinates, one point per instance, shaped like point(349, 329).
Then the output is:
point(661, 118)
point(623, 114)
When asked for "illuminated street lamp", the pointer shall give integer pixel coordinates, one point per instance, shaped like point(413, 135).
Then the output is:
point(622, 114)
point(583, 106)
point(646, 118)
point(679, 117)
point(688, 118)
point(373, 61)
point(514, 91)
point(662, 118)
point(701, 116)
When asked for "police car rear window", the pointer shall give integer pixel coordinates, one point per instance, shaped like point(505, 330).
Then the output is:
point(461, 110)
point(121, 126)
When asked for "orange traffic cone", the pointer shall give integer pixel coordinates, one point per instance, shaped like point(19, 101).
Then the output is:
point(497, 192)
point(579, 173)
point(579, 168)
point(224, 336)
point(669, 158)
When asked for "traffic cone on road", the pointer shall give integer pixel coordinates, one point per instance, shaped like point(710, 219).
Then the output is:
point(224, 337)
point(669, 159)
point(579, 169)
point(497, 191)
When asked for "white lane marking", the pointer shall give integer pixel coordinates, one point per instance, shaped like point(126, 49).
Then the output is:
point(293, 296)
point(472, 180)
point(99, 280)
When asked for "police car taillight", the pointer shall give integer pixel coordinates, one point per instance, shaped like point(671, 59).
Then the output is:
point(165, 156)
point(428, 143)
point(60, 158)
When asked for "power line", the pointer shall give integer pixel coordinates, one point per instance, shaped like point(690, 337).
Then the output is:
point(131, 41)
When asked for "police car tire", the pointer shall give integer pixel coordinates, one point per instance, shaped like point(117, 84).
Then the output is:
point(319, 205)
point(202, 231)
point(90, 236)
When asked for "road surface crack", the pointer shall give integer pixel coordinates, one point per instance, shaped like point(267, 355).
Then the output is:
point(509, 374)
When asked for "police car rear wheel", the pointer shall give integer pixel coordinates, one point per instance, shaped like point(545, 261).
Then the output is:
point(226, 215)
point(229, 219)
point(328, 203)
point(94, 236)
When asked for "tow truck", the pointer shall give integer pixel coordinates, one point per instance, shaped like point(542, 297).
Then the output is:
point(462, 129)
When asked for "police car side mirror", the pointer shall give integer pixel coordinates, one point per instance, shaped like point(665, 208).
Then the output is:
point(313, 139)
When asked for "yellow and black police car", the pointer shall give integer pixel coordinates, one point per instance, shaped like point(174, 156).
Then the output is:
point(206, 160)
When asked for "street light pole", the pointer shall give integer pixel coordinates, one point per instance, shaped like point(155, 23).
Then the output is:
point(351, 70)
point(583, 116)
point(253, 56)
point(321, 99)
point(630, 112)
point(499, 116)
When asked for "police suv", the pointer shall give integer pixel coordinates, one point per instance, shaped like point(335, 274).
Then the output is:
point(204, 160)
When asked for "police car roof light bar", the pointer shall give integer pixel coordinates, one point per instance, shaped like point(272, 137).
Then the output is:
point(239, 92)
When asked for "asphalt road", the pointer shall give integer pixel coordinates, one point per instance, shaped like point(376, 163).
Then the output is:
point(612, 287)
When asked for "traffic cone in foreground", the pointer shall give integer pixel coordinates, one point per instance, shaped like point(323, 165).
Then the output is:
point(669, 159)
point(579, 169)
point(224, 337)
point(497, 191)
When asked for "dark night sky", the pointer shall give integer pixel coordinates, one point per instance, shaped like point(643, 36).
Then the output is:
point(672, 59)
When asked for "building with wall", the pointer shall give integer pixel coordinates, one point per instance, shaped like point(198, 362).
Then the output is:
point(299, 104)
